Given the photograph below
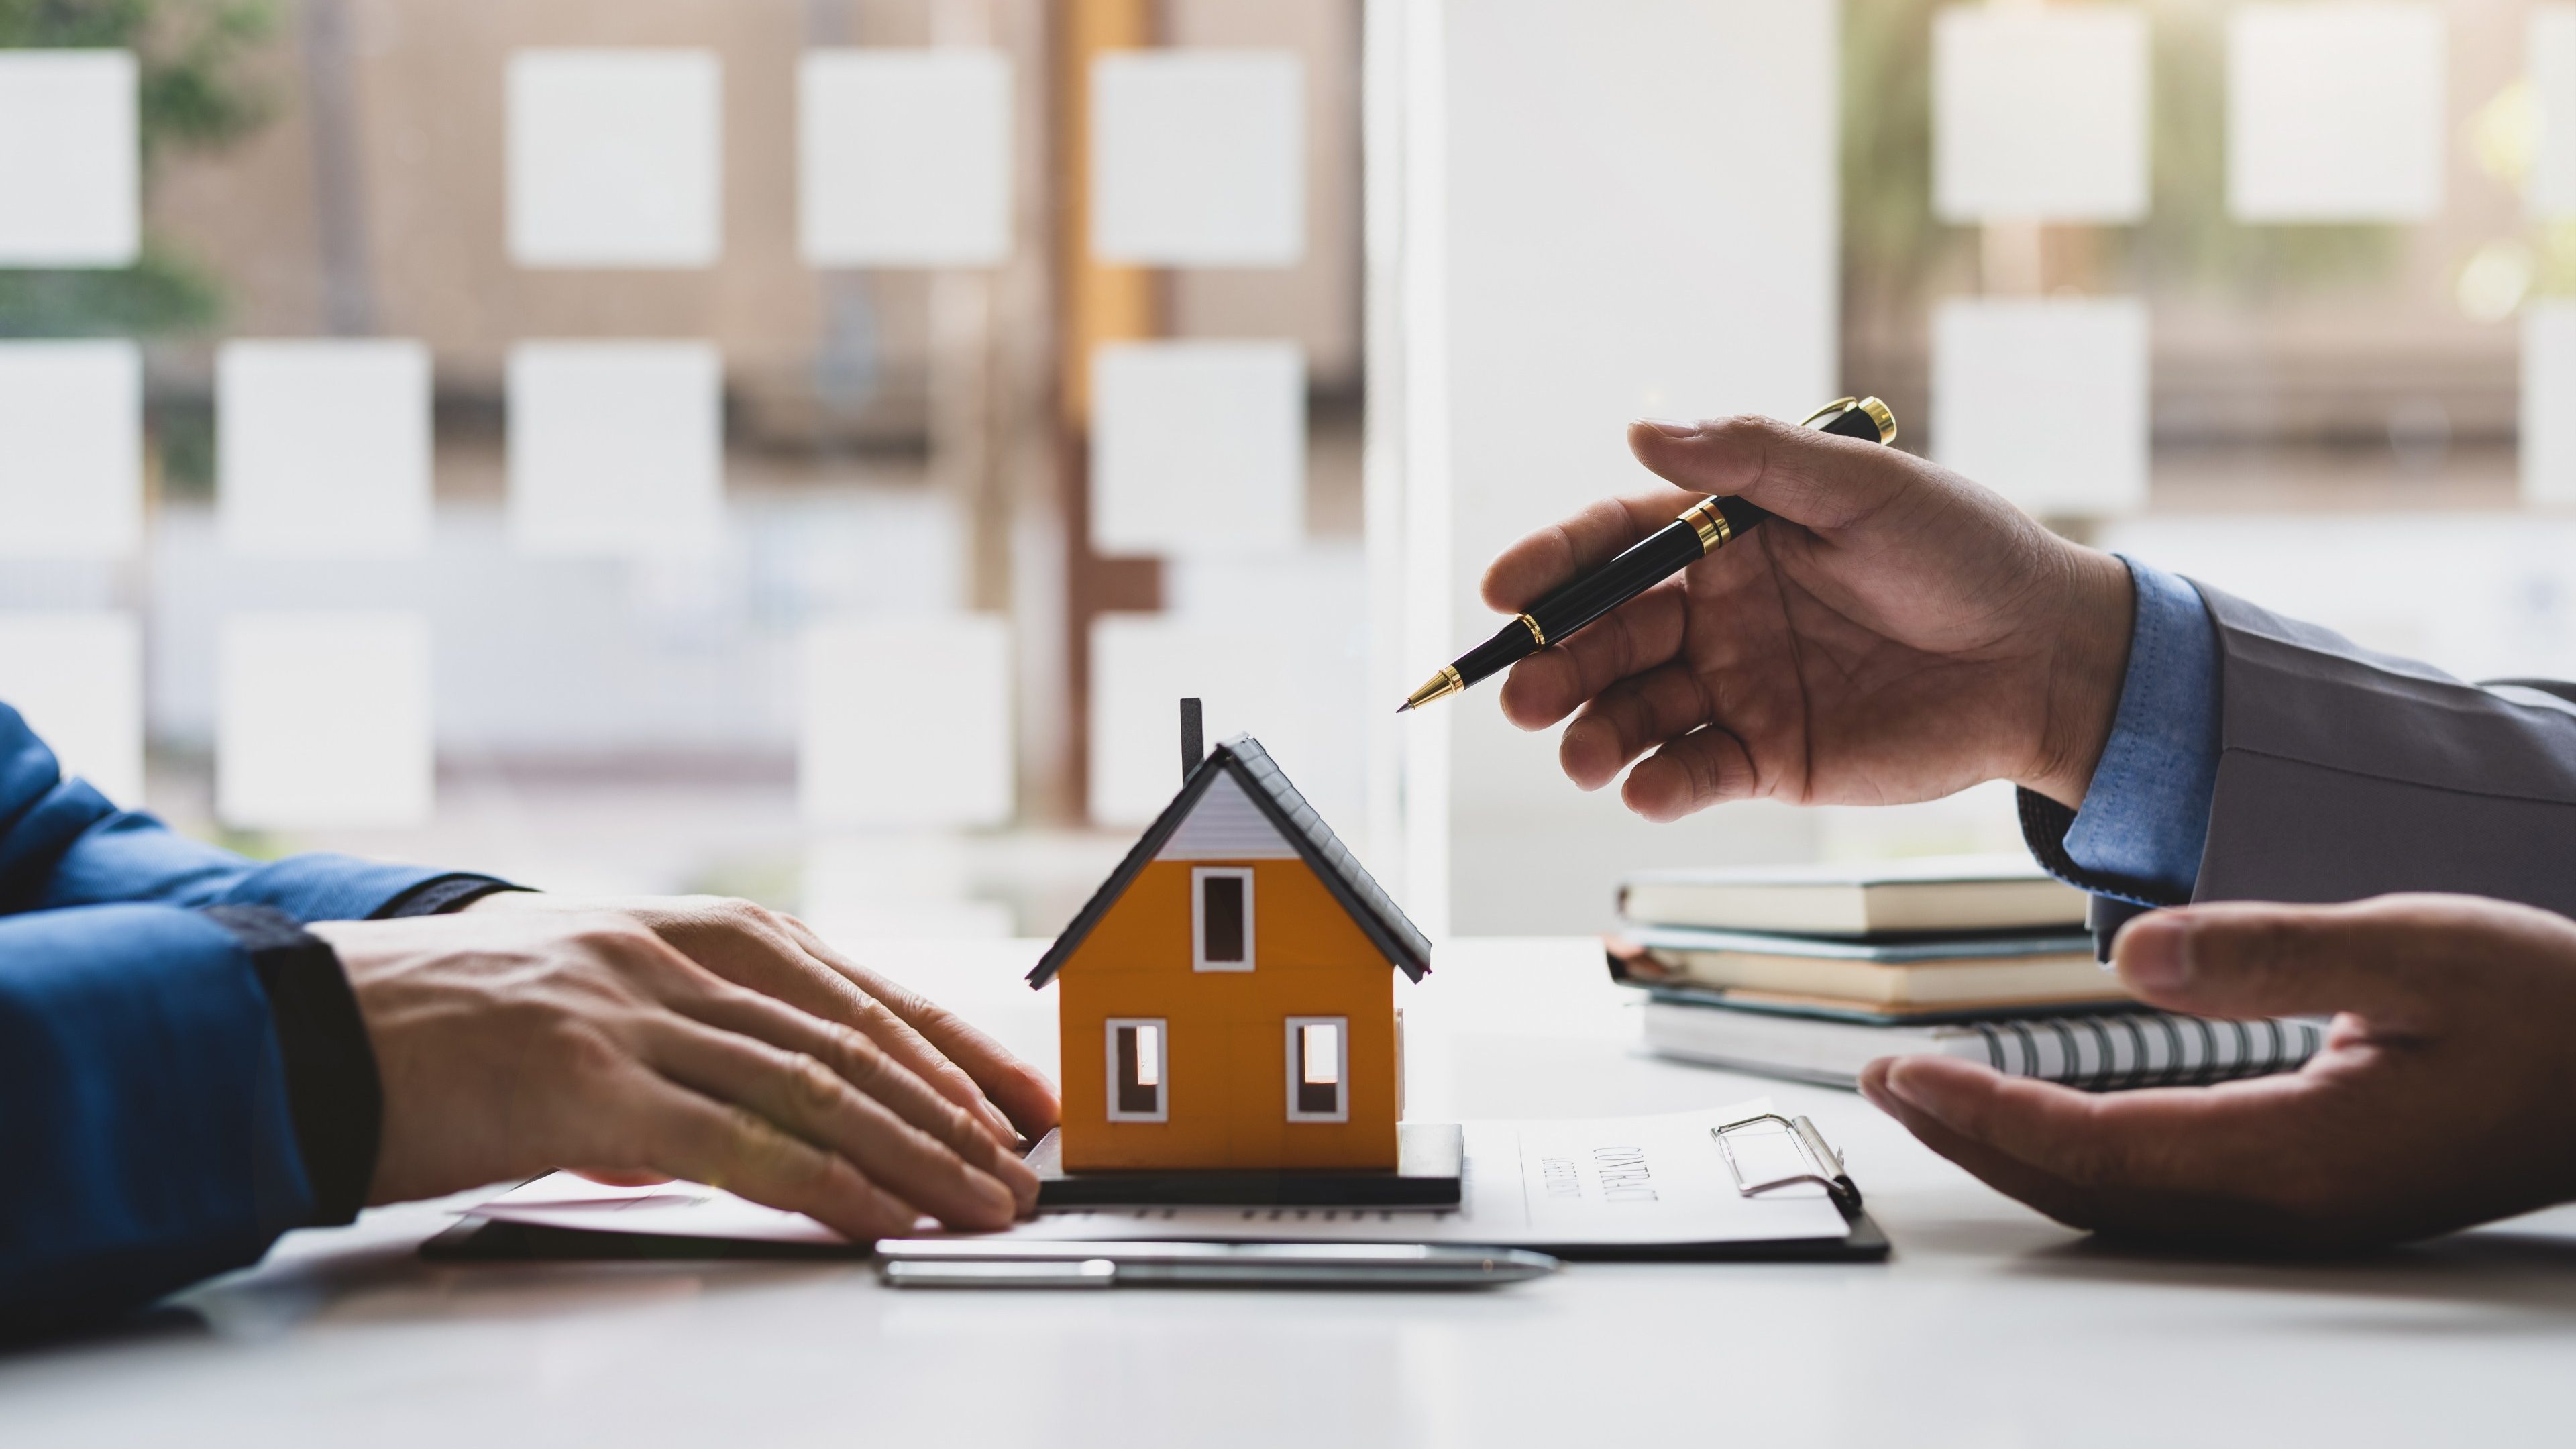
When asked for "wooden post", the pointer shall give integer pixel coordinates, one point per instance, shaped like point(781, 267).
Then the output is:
point(1099, 304)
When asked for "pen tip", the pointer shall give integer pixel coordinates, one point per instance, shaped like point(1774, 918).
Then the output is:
point(1405, 708)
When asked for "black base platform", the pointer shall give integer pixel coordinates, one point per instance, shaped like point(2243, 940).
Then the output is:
point(1430, 1162)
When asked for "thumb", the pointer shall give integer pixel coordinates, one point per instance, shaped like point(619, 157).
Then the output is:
point(2248, 959)
point(1804, 475)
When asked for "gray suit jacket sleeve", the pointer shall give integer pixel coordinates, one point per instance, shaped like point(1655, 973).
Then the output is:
point(2343, 774)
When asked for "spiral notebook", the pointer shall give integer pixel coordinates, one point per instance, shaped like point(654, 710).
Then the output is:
point(2098, 1051)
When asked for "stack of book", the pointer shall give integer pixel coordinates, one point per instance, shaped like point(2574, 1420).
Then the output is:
point(1811, 972)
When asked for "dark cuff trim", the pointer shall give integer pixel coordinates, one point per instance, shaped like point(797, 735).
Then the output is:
point(441, 894)
point(333, 1094)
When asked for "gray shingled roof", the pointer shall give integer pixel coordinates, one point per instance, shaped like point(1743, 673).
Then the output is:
point(1370, 908)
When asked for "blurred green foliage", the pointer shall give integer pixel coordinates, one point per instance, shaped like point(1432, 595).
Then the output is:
point(1896, 252)
point(194, 90)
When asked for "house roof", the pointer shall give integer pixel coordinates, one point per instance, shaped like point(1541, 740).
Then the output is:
point(1243, 759)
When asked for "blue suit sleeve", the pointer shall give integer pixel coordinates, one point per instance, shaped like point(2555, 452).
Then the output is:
point(63, 844)
point(2138, 838)
point(2145, 816)
point(144, 1114)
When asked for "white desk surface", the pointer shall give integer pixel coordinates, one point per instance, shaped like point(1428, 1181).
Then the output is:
point(1990, 1326)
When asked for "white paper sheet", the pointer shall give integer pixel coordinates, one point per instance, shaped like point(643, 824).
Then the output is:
point(904, 157)
point(323, 447)
point(2040, 114)
point(71, 448)
point(2044, 400)
point(616, 158)
point(1198, 448)
point(2335, 112)
point(1631, 1181)
point(1199, 158)
point(70, 192)
point(616, 448)
point(868, 691)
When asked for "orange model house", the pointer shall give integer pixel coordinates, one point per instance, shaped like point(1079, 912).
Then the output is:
point(1229, 993)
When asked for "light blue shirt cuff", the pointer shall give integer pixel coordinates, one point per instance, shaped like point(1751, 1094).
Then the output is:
point(2145, 816)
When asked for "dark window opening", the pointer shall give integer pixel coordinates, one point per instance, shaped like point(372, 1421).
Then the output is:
point(1319, 1069)
point(1221, 917)
point(1140, 1069)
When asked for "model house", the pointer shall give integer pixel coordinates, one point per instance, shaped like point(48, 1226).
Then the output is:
point(1228, 995)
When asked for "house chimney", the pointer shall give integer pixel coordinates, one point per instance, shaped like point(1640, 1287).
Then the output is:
point(1193, 741)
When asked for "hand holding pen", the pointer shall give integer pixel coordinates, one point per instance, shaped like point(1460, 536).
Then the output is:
point(1895, 633)
point(1695, 533)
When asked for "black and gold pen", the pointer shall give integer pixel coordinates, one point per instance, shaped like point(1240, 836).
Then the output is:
point(1700, 530)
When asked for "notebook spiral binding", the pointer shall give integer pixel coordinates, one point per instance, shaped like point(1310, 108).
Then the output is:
point(1826, 1164)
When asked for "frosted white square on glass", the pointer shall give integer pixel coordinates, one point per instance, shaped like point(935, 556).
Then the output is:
point(2334, 112)
point(322, 448)
point(2551, 191)
point(1268, 677)
point(2040, 114)
point(2549, 403)
point(1198, 158)
point(78, 680)
point(70, 167)
point(616, 158)
point(907, 722)
point(71, 449)
point(895, 887)
point(904, 157)
point(616, 448)
point(1198, 447)
point(2044, 401)
point(322, 721)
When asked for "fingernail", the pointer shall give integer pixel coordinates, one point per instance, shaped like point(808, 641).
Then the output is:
point(1001, 1125)
point(2154, 953)
point(1672, 427)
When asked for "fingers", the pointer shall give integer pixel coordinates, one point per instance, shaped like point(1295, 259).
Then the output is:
point(687, 1135)
point(2007, 1174)
point(1641, 634)
point(754, 947)
point(799, 1095)
point(1804, 475)
point(2394, 959)
point(875, 1075)
point(1556, 553)
point(1698, 770)
point(2170, 1162)
point(1017, 1088)
point(1623, 721)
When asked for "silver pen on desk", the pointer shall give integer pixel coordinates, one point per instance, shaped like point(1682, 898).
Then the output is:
point(968, 1263)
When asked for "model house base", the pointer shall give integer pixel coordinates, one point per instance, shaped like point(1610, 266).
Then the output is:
point(1429, 1173)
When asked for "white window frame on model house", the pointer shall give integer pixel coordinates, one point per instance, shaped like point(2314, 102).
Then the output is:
point(1199, 878)
point(1160, 1065)
point(1295, 1047)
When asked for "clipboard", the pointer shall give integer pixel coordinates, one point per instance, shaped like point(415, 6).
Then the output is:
point(1863, 1241)
point(1760, 1186)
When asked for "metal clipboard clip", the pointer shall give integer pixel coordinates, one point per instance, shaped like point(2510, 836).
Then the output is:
point(1826, 1163)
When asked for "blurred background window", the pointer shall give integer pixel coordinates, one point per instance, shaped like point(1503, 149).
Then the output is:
point(801, 448)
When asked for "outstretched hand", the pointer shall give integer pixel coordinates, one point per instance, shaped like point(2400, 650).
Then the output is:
point(1893, 633)
point(681, 1037)
point(2443, 1098)
point(780, 956)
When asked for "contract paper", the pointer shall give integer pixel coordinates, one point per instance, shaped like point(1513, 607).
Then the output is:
point(1632, 1182)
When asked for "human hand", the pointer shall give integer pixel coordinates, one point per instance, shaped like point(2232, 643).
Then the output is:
point(1893, 633)
point(777, 955)
point(2443, 1098)
point(510, 1042)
